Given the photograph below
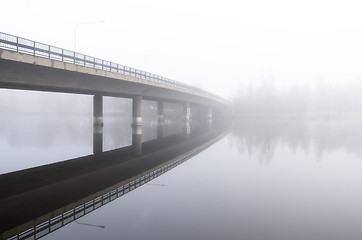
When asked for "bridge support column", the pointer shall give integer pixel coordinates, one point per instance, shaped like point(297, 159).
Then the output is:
point(98, 110)
point(97, 139)
point(160, 119)
point(209, 117)
point(187, 112)
point(137, 125)
point(187, 118)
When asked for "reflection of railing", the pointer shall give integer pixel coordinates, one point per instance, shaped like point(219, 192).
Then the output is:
point(30, 47)
point(67, 217)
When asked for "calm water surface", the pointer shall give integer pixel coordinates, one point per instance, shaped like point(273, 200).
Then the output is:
point(265, 180)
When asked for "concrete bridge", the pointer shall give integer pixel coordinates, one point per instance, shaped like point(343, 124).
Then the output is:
point(29, 65)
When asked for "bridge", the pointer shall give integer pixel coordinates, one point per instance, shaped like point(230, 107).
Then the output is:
point(30, 206)
point(30, 65)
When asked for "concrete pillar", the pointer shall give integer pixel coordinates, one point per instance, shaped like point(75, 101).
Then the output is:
point(187, 112)
point(137, 111)
point(98, 110)
point(160, 110)
point(137, 125)
point(209, 117)
point(160, 120)
point(187, 118)
point(97, 139)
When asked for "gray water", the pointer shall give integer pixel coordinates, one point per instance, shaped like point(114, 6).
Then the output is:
point(267, 179)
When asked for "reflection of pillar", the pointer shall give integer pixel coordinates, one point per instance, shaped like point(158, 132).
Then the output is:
point(137, 140)
point(160, 119)
point(209, 116)
point(98, 110)
point(137, 125)
point(97, 139)
point(187, 118)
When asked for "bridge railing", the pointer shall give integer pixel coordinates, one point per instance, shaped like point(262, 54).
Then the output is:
point(22, 45)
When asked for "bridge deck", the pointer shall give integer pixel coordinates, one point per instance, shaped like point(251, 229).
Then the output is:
point(26, 64)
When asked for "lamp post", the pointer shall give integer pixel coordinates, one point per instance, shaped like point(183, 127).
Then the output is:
point(81, 24)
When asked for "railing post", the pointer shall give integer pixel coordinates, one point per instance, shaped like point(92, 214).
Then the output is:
point(17, 44)
point(62, 55)
point(34, 47)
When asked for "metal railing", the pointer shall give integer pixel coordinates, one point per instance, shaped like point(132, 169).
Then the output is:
point(22, 45)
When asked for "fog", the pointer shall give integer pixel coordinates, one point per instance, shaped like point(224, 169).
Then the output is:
point(317, 100)
point(213, 45)
point(289, 167)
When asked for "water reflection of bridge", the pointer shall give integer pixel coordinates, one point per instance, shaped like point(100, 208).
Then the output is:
point(37, 201)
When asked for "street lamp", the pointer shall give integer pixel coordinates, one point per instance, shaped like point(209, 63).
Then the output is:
point(80, 24)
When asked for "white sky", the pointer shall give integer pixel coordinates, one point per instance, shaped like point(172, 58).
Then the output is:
point(217, 45)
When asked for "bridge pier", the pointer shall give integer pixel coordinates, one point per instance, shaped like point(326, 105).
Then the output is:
point(97, 124)
point(98, 110)
point(209, 117)
point(160, 119)
point(187, 118)
point(187, 111)
point(137, 125)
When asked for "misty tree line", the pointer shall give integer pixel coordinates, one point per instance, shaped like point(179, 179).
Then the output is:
point(260, 138)
point(322, 99)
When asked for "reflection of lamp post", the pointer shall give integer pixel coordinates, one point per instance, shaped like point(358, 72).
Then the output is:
point(80, 24)
point(91, 225)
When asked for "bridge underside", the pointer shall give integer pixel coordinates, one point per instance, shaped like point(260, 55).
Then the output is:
point(20, 75)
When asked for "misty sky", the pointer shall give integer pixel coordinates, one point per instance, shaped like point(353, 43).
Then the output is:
point(217, 45)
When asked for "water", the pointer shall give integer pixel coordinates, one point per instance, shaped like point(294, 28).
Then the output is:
point(252, 184)
point(275, 179)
